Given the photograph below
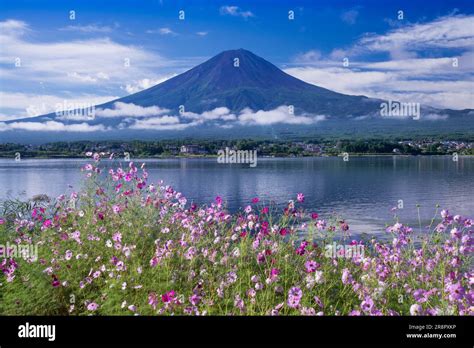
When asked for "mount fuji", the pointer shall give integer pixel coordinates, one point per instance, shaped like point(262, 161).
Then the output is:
point(232, 92)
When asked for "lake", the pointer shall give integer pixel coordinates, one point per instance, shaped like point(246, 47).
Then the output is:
point(362, 190)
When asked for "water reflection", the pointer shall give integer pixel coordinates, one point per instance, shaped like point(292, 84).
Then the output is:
point(362, 190)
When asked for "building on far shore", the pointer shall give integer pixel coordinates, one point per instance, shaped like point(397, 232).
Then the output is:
point(193, 150)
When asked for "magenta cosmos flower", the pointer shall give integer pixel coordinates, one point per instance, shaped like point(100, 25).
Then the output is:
point(300, 197)
point(168, 297)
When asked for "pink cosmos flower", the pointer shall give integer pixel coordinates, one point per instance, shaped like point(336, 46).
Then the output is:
point(255, 200)
point(301, 250)
point(274, 272)
point(416, 309)
point(456, 291)
point(117, 237)
point(420, 295)
point(116, 208)
point(321, 225)
point(152, 300)
point(195, 299)
point(295, 291)
point(239, 303)
point(294, 297)
point(318, 302)
point(300, 197)
point(367, 304)
point(311, 266)
point(92, 306)
point(346, 276)
point(293, 302)
point(456, 233)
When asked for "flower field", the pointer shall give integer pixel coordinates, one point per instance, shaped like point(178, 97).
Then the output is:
point(125, 246)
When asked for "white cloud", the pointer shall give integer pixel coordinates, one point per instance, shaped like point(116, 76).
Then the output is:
point(278, 115)
point(215, 114)
point(202, 33)
point(246, 117)
point(162, 123)
point(90, 28)
point(51, 126)
point(438, 81)
point(24, 105)
point(140, 85)
point(235, 11)
point(159, 119)
point(309, 57)
point(130, 110)
point(444, 32)
point(88, 78)
point(74, 61)
point(397, 82)
point(339, 79)
point(13, 27)
point(161, 31)
point(63, 62)
point(405, 42)
point(75, 66)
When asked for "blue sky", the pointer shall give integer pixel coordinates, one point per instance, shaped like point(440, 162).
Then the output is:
point(83, 59)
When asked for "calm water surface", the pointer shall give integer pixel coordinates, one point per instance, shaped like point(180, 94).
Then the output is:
point(362, 190)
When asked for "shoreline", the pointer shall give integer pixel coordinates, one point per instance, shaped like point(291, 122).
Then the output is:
point(2, 156)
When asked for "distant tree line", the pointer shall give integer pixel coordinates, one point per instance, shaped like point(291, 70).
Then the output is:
point(264, 147)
